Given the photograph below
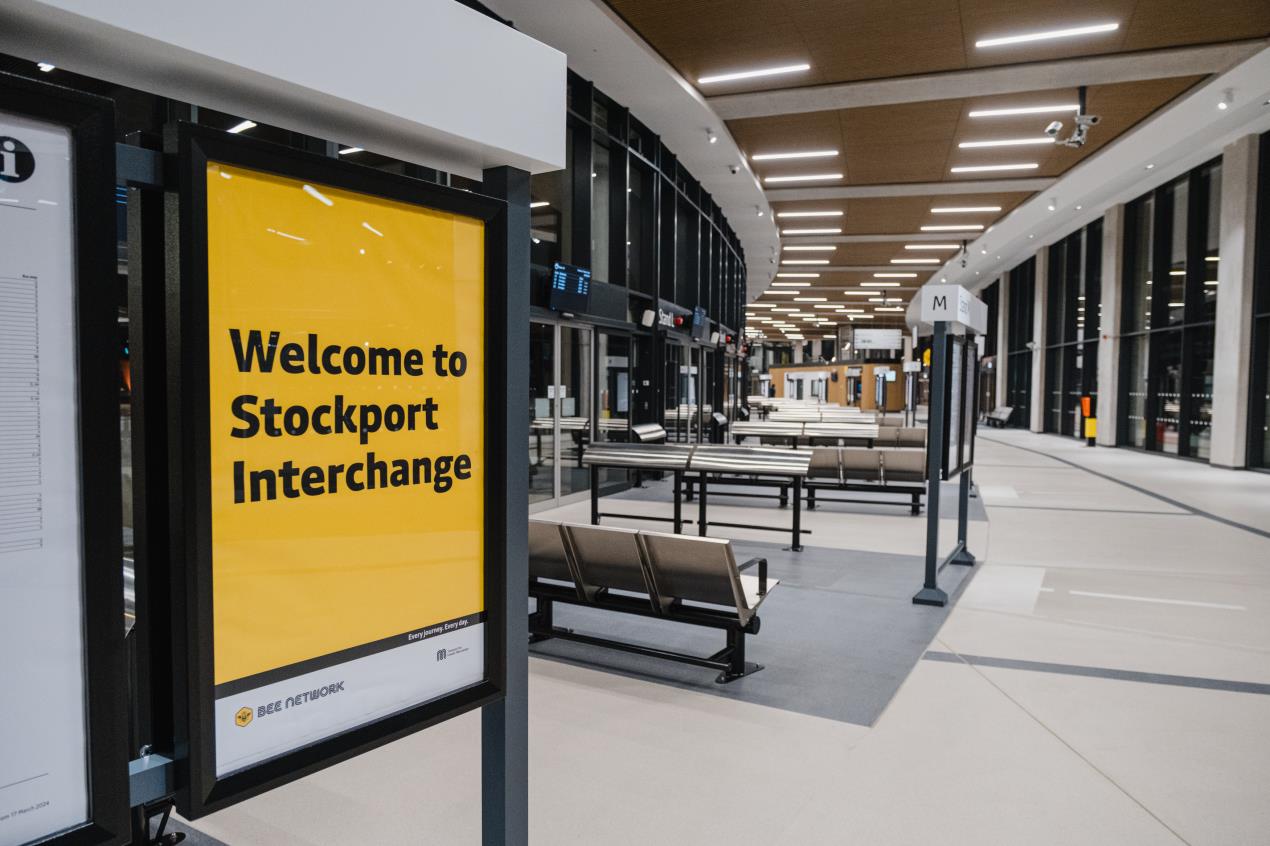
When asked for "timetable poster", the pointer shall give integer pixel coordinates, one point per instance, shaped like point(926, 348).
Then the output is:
point(43, 735)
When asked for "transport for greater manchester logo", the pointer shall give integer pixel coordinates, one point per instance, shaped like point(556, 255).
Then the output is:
point(243, 718)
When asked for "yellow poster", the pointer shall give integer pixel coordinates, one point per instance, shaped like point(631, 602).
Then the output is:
point(346, 336)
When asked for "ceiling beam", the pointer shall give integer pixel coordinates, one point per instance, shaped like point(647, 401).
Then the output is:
point(910, 189)
point(991, 81)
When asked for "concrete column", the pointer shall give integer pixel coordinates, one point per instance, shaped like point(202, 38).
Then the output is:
point(1038, 339)
point(1232, 352)
point(1109, 331)
point(1003, 327)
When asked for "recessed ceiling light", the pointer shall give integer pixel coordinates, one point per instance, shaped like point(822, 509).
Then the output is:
point(952, 227)
point(761, 305)
point(860, 316)
point(803, 177)
point(242, 127)
point(803, 154)
point(916, 261)
point(1007, 142)
point(45, 67)
point(826, 248)
point(774, 292)
point(539, 204)
point(797, 276)
point(879, 284)
point(1025, 110)
point(986, 168)
point(895, 275)
point(859, 293)
point(791, 308)
point(932, 247)
point(809, 214)
point(809, 299)
point(811, 232)
point(753, 74)
point(829, 305)
point(965, 209)
point(888, 308)
point(804, 261)
point(1048, 35)
point(348, 151)
point(791, 284)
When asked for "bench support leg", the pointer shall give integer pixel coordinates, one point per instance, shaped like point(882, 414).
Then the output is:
point(811, 498)
point(679, 503)
point(542, 621)
point(737, 665)
point(917, 504)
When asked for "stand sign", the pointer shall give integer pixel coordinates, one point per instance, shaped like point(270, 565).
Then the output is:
point(63, 759)
point(334, 344)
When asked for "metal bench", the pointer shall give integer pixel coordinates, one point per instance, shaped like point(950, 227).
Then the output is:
point(897, 471)
point(672, 577)
point(901, 436)
point(1000, 416)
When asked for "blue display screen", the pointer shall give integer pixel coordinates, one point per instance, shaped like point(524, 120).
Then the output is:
point(570, 288)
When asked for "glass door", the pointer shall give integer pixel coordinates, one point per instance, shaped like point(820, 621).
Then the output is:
point(575, 403)
point(542, 429)
point(561, 419)
point(614, 396)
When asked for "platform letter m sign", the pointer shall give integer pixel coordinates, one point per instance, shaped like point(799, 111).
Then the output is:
point(940, 301)
point(440, 654)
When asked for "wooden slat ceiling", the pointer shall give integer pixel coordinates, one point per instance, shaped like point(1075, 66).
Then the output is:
point(855, 40)
point(849, 40)
point(917, 142)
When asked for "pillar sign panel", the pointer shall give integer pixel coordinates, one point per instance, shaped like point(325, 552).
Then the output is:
point(338, 321)
point(63, 765)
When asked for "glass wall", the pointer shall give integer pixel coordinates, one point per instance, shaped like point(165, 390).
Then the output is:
point(1021, 303)
point(1073, 321)
point(1170, 304)
point(1259, 398)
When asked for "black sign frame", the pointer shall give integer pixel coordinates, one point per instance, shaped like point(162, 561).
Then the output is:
point(90, 121)
point(199, 790)
point(959, 455)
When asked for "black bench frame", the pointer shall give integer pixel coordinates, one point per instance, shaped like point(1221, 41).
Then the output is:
point(730, 660)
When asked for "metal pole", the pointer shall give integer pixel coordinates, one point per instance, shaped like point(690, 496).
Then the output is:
point(595, 495)
point(701, 507)
point(679, 502)
point(797, 545)
point(505, 723)
point(963, 555)
point(930, 594)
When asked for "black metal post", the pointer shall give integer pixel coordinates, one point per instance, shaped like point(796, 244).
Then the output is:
point(679, 502)
point(797, 545)
point(963, 555)
point(505, 723)
point(701, 508)
point(931, 594)
point(595, 495)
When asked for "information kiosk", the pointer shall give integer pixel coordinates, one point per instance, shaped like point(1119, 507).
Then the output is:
point(955, 315)
point(63, 703)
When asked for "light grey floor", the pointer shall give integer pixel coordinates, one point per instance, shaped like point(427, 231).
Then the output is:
point(1100, 681)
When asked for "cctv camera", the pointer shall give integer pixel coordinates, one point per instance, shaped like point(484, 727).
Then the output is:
point(1087, 120)
point(735, 169)
point(1054, 128)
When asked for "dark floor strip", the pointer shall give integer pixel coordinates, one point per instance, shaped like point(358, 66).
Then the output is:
point(193, 837)
point(1226, 521)
point(1100, 672)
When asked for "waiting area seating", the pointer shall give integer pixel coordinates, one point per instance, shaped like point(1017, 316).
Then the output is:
point(999, 416)
point(898, 471)
point(680, 578)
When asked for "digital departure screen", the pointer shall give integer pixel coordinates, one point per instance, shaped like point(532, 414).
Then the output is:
point(570, 288)
point(700, 324)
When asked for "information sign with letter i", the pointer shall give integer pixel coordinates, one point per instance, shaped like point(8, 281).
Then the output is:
point(63, 759)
